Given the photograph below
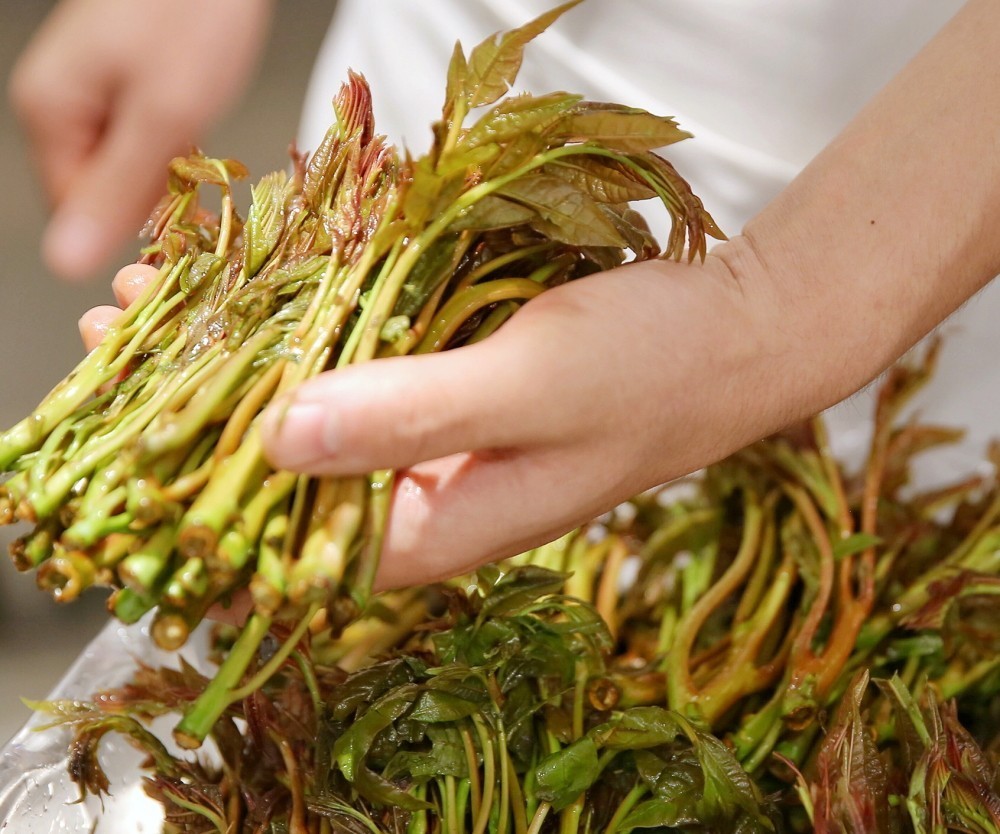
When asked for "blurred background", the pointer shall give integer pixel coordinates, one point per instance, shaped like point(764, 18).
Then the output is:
point(38, 333)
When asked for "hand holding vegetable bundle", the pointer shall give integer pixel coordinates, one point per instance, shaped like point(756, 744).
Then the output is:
point(693, 662)
point(159, 485)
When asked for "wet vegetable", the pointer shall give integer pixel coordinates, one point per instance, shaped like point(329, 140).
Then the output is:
point(143, 470)
point(641, 672)
point(775, 645)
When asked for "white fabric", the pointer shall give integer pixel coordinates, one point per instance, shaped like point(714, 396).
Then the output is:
point(763, 85)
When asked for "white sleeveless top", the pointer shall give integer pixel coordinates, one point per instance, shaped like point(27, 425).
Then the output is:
point(762, 84)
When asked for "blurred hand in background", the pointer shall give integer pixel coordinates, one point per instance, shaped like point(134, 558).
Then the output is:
point(107, 92)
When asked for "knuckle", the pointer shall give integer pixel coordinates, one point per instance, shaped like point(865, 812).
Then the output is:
point(171, 114)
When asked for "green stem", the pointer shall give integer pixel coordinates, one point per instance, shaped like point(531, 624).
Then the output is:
point(376, 522)
point(499, 262)
point(180, 428)
point(130, 606)
point(493, 321)
point(311, 681)
point(624, 807)
point(539, 818)
point(102, 365)
point(489, 777)
point(277, 659)
point(269, 582)
point(217, 503)
point(201, 716)
point(319, 572)
point(460, 307)
point(48, 497)
point(143, 569)
point(472, 763)
point(681, 690)
point(450, 815)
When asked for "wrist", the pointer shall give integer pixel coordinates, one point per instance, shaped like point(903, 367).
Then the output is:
point(795, 347)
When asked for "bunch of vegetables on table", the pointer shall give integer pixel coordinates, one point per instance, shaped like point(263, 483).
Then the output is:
point(773, 645)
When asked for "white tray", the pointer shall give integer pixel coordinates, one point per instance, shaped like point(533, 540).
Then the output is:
point(36, 793)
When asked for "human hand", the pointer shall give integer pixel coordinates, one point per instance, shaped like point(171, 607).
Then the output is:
point(108, 91)
point(591, 393)
point(613, 383)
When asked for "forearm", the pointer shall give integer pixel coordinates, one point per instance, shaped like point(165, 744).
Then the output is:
point(892, 227)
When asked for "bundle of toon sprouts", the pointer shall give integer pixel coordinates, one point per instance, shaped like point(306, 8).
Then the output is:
point(785, 647)
point(143, 470)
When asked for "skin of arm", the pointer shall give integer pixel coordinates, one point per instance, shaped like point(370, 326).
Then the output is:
point(107, 92)
point(615, 383)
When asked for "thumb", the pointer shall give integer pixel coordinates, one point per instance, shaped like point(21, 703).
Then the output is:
point(392, 413)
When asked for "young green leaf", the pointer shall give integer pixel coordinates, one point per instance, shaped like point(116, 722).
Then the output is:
point(562, 776)
point(663, 813)
point(517, 115)
point(638, 728)
point(854, 544)
point(458, 79)
point(492, 212)
point(436, 706)
point(446, 757)
point(606, 180)
point(622, 128)
point(565, 212)
point(517, 588)
point(265, 220)
point(495, 62)
point(351, 748)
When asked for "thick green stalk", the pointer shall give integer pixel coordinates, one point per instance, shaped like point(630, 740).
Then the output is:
point(101, 366)
point(144, 568)
point(130, 606)
point(276, 661)
point(92, 523)
point(216, 506)
point(189, 581)
point(179, 428)
point(380, 487)
point(48, 496)
point(238, 544)
point(320, 570)
point(201, 716)
point(461, 307)
point(269, 583)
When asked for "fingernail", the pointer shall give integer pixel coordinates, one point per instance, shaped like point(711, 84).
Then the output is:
point(72, 246)
point(92, 331)
point(129, 282)
point(300, 433)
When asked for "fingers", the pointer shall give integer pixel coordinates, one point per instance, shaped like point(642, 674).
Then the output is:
point(128, 285)
point(105, 107)
point(111, 194)
point(396, 412)
point(130, 281)
point(63, 121)
point(94, 325)
point(453, 515)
